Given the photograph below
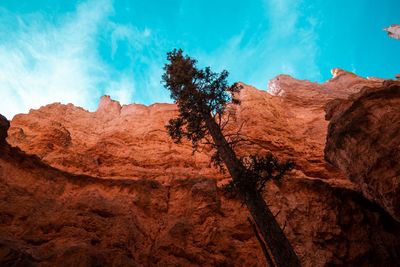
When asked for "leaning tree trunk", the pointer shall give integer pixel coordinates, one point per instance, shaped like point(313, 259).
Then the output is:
point(271, 232)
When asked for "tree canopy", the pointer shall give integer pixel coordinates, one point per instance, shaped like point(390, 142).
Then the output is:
point(196, 92)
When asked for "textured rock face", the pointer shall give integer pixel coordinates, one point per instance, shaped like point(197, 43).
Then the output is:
point(52, 218)
point(58, 219)
point(129, 196)
point(364, 141)
point(4, 125)
point(131, 141)
point(393, 31)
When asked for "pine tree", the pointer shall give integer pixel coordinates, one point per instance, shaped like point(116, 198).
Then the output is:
point(202, 97)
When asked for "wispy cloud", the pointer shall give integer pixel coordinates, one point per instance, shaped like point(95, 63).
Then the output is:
point(45, 60)
point(76, 57)
point(287, 43)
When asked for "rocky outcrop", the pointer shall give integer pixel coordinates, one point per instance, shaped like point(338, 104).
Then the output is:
point(110, 188)
point(393, 31)
point(313, 94)
point(4, 125)
point(364, 141)
point(108, 107)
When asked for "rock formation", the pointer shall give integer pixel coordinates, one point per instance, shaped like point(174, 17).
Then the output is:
point(393, 31)
point(364, 141)
point(110, 188)
point(4, 125)
point(131, 141)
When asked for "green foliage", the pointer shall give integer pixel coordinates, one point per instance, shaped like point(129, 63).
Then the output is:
point(263, 169)
point(259, 170)
point(217, 161)
point(196, 92)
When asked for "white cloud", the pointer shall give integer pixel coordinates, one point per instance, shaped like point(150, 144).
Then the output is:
point(284, 46)
point(45, 60)
point(136, 39)
point(122, 89)
point(353, 68)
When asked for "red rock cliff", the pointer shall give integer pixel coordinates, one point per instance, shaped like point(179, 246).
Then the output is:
point(110, 188)
point(364, 141)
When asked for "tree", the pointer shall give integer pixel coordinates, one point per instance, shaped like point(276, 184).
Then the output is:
point(202, 97)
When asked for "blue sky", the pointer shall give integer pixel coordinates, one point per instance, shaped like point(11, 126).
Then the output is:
point(76, 51)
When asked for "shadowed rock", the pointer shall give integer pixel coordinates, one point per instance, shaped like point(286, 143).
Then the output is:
point(364, 141)
point(4, 125)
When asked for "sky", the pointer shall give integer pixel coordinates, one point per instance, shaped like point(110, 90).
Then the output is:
point(76, 51)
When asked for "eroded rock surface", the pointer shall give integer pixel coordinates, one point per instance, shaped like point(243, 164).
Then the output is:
point(131, 141)
point(393, 31)
point(52, 218)
point(118, 192)
point(4, 125)
point(364, 141)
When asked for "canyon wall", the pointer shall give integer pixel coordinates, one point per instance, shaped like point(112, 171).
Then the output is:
point(110, 188)
point(364, 141)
